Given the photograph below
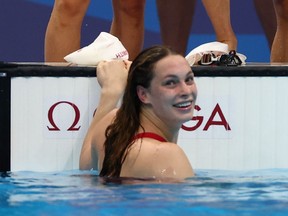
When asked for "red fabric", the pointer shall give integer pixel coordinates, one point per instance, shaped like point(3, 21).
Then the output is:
point(149, 135)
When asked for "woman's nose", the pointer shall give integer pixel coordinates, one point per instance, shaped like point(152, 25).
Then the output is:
point(185, 89)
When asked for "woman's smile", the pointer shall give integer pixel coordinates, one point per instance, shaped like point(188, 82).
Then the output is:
point(184, 105)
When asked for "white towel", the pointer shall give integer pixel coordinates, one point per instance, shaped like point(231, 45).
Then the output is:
point(105, 47)
point(217, 48)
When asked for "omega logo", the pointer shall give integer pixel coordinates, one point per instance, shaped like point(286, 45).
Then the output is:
point(199, 120)
point(52, 122)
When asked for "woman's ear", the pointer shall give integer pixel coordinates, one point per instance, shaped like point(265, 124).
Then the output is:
point(142, 94)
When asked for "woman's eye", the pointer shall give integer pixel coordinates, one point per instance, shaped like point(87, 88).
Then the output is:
point(190, 80)
point(170, 83)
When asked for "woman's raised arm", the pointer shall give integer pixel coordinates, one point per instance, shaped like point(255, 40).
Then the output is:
point(112, 77)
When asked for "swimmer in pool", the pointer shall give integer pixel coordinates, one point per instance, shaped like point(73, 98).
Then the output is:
point(139, 139)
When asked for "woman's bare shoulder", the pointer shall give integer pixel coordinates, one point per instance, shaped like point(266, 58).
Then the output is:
point(158, 159)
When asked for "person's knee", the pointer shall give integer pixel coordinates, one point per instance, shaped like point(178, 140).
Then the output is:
point(132, 8)
point(71, 8)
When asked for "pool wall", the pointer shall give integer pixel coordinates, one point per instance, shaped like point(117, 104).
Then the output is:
point(240, 120)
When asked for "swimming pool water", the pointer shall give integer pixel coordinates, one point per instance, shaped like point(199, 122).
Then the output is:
point(256, 192)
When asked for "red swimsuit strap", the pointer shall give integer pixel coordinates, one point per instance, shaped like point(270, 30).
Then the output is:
point(149, 135)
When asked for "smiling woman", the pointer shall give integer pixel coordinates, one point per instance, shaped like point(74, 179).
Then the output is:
point(138, 139)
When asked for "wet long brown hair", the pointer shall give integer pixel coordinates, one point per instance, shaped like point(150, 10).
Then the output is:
point(127, 121)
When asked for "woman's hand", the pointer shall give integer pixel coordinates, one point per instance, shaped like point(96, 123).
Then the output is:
point(112, 75)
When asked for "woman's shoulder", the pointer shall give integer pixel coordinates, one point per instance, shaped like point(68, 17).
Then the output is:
point(151, 158)
point(165, 151)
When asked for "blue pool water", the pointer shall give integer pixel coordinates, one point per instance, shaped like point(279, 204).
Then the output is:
point(257, 192)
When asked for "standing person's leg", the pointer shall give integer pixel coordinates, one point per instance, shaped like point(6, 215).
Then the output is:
point(175, 19)
point(128, 24)
point(219, 14)
point(279, 51)
point(266, 13)
point(64, 29)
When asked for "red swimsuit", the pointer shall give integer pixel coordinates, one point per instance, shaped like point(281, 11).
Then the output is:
point(149, 135)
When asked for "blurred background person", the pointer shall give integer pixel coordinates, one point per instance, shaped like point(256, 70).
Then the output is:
point(266, 14)
point(273, 15)
point(176, 18)
point(63, 33)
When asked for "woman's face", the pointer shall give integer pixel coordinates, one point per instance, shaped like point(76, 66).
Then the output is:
point(172, 93)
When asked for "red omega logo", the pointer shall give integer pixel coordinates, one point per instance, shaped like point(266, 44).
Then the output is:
point(76, 119)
